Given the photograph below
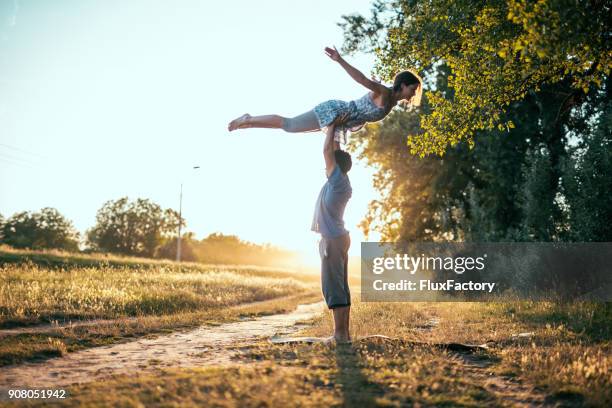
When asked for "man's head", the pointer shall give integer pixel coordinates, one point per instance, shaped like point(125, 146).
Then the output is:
point(343, 159)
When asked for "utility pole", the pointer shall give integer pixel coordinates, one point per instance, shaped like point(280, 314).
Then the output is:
point(178, 241)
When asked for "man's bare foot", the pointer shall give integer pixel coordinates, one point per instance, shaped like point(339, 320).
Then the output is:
point(337, 340)
point(342, 339)
point(238, 122)
point(329, 340)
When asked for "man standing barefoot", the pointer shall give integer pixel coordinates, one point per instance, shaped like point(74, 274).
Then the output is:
point(335, 240)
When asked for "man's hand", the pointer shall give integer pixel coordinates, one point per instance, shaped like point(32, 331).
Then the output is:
point(333, 53)
point(340, 119)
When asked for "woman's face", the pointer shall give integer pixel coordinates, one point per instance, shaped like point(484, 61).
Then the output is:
point(408, 91)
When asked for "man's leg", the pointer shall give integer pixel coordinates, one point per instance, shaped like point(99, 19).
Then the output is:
point(346, 312)
point(334, 279)
point(341, 323)
point(348, 318)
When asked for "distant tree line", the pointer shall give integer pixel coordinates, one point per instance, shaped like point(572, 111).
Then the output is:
point(39, 230)
point(133, 228)
point(218, 248)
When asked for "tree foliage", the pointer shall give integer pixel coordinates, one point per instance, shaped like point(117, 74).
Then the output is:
point(169, 248)
point(587, 181)
point(540, 181)
point(132, 228)
point(40, 230)
point(230, 249)
point(498, 51)
point(218, 248)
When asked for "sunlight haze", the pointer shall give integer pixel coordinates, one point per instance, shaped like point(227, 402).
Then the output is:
point(104, 99)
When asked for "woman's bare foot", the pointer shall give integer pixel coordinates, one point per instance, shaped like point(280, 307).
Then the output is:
point(238, 123)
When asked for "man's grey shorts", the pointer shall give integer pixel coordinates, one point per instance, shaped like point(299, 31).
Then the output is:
point(334, 270)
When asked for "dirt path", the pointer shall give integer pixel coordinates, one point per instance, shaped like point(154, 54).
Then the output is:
point(510, 391)
point(56, 325)
point(213, 345)
point(44, 328)
point(202, 346)
point(479, 367)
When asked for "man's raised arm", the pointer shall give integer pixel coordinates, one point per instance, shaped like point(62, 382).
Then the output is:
point(329, 147)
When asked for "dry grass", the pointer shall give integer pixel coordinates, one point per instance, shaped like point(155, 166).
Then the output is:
point(32, 294)
point(154, 297)
point(59, 258)
point(55, 342)
point(301, 376)
point(568, 355)
point(566, 362)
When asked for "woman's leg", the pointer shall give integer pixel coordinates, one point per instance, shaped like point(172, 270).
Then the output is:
point(263, 121)
point(305, 122)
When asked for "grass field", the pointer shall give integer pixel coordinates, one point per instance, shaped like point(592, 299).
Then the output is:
point(565, 363)
point(140, 298)
point(543, 353)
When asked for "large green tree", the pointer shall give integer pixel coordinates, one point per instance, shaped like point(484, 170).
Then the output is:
point(466, 194)
point(587, 179)
point(497, 51)
point(132, 228)
point(504, 188)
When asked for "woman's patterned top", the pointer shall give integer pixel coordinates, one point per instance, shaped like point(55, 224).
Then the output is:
point(359, 112)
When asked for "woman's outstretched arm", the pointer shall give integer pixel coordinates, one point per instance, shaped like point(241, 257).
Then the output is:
point(357, 75)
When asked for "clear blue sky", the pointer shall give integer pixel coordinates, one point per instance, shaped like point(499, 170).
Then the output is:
point(103, 99)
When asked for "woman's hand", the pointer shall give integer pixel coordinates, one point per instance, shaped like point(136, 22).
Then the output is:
point(333, 53)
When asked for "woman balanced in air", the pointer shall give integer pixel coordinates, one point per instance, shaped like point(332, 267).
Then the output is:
point(348, 116)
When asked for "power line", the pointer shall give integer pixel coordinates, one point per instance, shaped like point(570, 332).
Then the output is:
point(14, 163)
point(21, 150)
point(15, 158)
